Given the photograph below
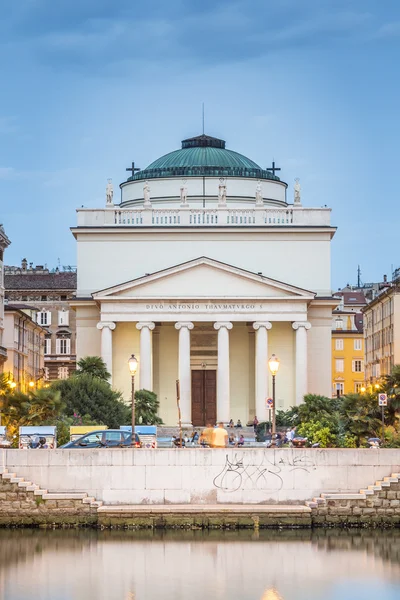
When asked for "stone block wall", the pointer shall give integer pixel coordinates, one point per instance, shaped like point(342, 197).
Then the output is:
point(382, 508)
point(18, 506)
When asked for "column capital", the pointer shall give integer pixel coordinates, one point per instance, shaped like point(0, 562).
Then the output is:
point(147, 324)
point(259, 324)
point(103, 324)
point(297, 324)
point(187, 324)
point(226, 324)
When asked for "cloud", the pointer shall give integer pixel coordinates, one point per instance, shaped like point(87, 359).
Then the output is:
point(7, 173)
point(389, 30)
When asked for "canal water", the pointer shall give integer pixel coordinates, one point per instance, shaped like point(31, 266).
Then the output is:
point(237, 565)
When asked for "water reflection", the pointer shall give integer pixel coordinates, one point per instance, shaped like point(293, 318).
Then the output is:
point(235, 565)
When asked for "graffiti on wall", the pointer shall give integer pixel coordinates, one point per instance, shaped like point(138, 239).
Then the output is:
point(266, 474)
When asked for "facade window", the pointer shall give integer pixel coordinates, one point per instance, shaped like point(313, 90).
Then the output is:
point(63, 317)
point(43, 298)
point(339, 365)
point(339, 389)
point(358, 366)
point(357, 387)
point(62, 372)
point(63, 346)
point(339, 323)
point(44, 317)
point(338, 344)
point(357, 344)
point(47, 346)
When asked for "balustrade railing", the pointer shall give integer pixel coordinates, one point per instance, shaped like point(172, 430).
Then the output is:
point(209, 217)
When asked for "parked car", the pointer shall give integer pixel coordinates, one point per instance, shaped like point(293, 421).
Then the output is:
point(105, 438)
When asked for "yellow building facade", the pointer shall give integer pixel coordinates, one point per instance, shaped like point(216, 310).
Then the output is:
point(348, 373)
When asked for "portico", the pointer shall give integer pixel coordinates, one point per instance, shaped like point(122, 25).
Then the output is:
point(237, 335)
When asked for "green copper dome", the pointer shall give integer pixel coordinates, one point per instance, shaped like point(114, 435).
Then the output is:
point(203, 156)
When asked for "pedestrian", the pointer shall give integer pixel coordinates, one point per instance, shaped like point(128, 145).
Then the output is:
point(195, 437)
point(231, 424)
point(255, 423)
point(232, 440)
point(206, 436)
point(220, 437)
point(241, 440)
point(239, 423)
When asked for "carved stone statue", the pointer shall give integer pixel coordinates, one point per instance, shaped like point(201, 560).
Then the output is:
point(109, 193)
point(183, 196)
point(259, 197)
point(297, 190)
point(222, 193)
point(146, 194)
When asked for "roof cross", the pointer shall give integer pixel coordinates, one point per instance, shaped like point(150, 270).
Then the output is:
point(132, 169)
point(273, 168)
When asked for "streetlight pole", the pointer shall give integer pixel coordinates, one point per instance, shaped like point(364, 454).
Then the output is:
point(133, 365)
point(273, 364)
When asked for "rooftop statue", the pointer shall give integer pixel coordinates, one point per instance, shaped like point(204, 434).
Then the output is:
point(259, 197)
point(109, 193)
point(146, 194)
point(297, 190)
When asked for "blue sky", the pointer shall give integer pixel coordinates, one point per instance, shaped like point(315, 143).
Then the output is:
point(89, 86)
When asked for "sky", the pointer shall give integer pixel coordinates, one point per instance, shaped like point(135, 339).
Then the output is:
point(88, 87)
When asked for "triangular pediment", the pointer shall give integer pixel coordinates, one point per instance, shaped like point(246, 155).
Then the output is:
point(203, 278)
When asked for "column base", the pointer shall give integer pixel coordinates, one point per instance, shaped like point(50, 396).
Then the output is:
point(185, 425)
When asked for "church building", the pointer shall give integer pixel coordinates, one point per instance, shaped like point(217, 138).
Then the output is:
point(205, 269)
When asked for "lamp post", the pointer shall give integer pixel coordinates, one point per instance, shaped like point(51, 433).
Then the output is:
point(273, 364)
point(133, 365)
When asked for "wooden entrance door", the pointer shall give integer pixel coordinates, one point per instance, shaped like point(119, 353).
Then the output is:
point(204, 397)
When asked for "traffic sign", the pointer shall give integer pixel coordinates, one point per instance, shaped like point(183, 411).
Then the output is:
point(382, 399)
point(269, 402)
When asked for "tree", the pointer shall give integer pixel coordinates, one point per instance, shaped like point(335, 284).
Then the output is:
point(90, 395)
point(93, 365)
point(360, 416)
point(34, 408)
point(146, 408)
point(321, 409)
point(391, 386)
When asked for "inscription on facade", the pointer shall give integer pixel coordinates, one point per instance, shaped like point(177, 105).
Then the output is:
point(202, 306)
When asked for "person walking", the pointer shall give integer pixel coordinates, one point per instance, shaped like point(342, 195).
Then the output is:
point(220, 437)
point(206, 436)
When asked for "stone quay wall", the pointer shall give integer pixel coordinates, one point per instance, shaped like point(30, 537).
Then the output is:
point(21, 507)
point(203, 476)
point(381, 508)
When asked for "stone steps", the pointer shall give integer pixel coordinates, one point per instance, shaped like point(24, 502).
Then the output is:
point(371, 490)
point(44, 494)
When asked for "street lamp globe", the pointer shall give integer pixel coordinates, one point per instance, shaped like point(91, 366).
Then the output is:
point(273, 364)
point(133, 364)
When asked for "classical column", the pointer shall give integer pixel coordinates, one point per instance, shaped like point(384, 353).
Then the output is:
point(223, 390)
point(261, 368)
point(301, 328)
point(184, 374)
point(145, 355)
point(106, 329)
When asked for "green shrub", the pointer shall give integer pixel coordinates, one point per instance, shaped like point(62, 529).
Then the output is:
point(317, 433)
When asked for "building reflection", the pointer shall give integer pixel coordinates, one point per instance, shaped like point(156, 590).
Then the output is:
point(271, 594)
point(192, 564)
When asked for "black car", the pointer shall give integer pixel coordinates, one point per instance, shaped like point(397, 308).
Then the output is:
point(107, 438)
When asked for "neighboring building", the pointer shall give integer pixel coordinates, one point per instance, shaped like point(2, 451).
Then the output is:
point(348, 343)
point(50, 292)
point(203, 271)
point(4, 243)
point(382, 331)
point(24, 340)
